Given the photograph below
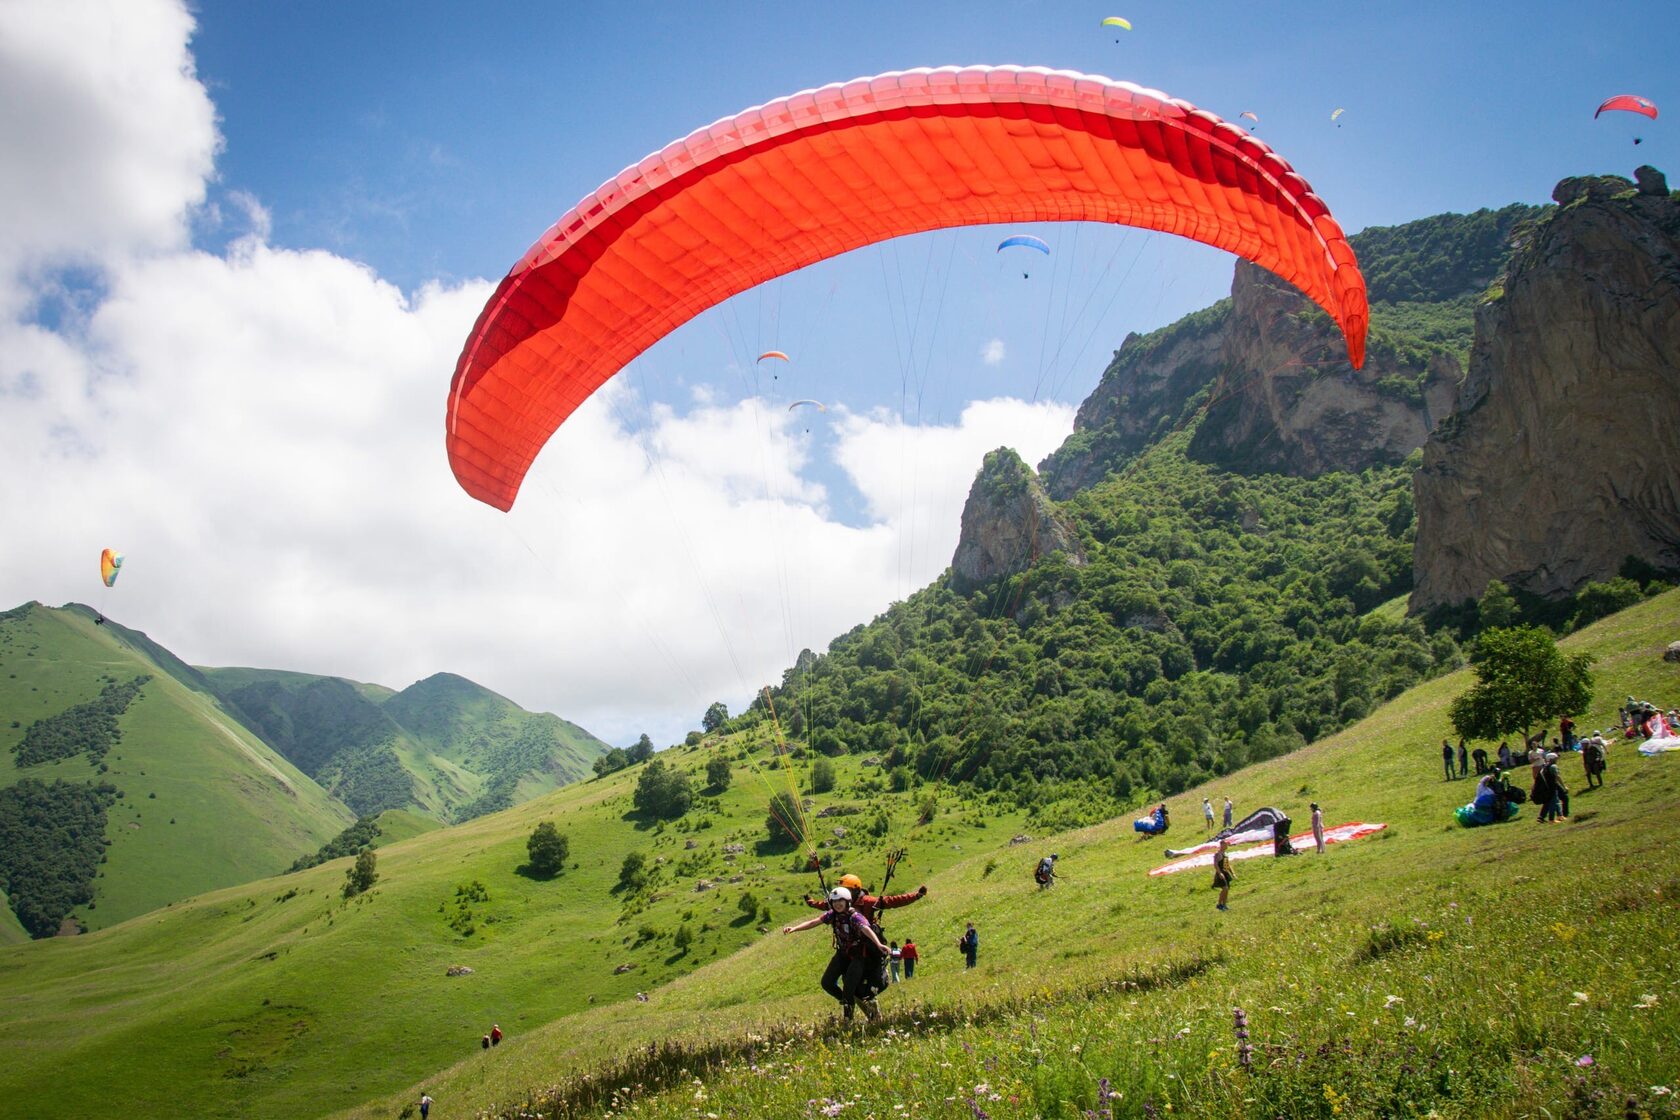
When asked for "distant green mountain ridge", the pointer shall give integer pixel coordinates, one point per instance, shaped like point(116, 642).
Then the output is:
point(444, 745)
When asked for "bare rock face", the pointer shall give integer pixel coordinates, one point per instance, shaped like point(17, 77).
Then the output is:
point(1008, 524)
point(1290, 403)
point(1563, 458)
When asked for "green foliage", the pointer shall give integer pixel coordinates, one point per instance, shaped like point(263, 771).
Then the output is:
point(1439, 258)
point(52, 840)
point(1498, 607)
point(683, 939)
point(352, 840)
point(1600, 600)
point(782, 819)
point(663, 792)
point(1220, 620)
point(748, 905)
point(90, 728)
point(1521, 677)
point(822, 776)
point(361, 876)
point(630, 874)
point(547, 848)
point(464, 919)
point(716, 716)
point(368, 780)
point(717, 773)
point(640, 751)
point(614, 760)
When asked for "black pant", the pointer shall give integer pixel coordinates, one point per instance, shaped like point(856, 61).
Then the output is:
point(850, 970)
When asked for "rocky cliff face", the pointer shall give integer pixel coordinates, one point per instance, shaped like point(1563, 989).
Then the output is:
point(1290, 403)
point(1563, 458)
point(1008, 523)
point(1266, 373)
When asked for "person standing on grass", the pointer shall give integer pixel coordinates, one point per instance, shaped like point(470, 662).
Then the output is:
point(1592, 758)
point(495, 1034)
point(1207, 813)
point(1229, 809)
point(425, 1106)
point(1318, 827)
point(1447, 758)
point(847, 975)
point(969, 943)
point(1222, 873)
point(1546, 791)
point(909, 955)
point(895, 955)
point(1463, 760)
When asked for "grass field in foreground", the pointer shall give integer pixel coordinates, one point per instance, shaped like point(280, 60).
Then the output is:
point(1482, 936)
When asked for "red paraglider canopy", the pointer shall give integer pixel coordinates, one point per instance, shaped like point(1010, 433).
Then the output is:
point(811, 176)
point(1629, 103)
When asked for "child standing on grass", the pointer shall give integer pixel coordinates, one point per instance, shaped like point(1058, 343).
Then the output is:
point(1222, 873)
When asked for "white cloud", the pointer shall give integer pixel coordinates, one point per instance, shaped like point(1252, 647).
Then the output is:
point(108, 136)
point(993, 352)
point(262, 433)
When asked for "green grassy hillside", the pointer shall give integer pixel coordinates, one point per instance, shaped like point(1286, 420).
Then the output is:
point(444, 745)
point(301, 1004)
point(203, 802)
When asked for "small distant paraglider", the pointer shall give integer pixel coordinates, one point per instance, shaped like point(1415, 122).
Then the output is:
point(818, 405)
point(110, 563)
point(1255, 117)
point(1024, 241)
point(1336, 116)
point(1118, 24)
point(1629, 103)
point(777, 354)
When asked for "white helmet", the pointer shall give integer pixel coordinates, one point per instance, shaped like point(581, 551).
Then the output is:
point(840, 894)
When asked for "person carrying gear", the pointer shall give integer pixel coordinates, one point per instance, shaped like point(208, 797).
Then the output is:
point(870, 906)
point(1045, 873)
point(847, 975)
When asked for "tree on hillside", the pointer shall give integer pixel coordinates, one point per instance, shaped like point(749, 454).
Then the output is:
point(642, 751)
point(683, 939)
point(822, 776)
point(362, 876)
point(716, 716)
point(630, 875)
point(548, 848)
point(1521, 678)
point(717, 773)
point(615, 759)
point(663, 791)
point(1498, 607)
point(782, 820)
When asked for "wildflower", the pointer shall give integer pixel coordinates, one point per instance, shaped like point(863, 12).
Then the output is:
point(1392, 1000)
point(1580, 997)
point(1646, 1002)
point(1660, 1090)
point(1584, 1060)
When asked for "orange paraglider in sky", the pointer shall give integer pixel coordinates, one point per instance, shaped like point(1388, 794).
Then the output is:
point(730, 206)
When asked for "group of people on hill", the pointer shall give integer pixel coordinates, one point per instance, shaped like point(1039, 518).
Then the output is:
point(1547, 788)
point(1637, 717)
point(863, 963)
point(1207, 812)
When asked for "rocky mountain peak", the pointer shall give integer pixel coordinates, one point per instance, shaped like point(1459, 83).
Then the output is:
point(1008, 523)
point(1563, 459)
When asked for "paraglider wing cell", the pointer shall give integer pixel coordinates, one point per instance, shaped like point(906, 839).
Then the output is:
point(691, 225)
point(1629, 103)
point(110, 562)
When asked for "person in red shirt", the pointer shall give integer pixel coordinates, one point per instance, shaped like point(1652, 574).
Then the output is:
point(495, 1035)
point(908, 956)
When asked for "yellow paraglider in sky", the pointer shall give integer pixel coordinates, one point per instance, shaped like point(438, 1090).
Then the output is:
point(1116, 21)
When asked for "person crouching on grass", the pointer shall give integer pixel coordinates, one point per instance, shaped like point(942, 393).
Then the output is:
point(848, 970)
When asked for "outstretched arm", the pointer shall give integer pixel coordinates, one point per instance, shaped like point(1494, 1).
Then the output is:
point(892, 901)
point(816, 921)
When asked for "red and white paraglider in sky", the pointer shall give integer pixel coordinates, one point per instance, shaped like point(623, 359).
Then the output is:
point(796, 181)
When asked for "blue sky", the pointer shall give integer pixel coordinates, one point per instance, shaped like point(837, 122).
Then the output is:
point(431, 145)
point(241, 246)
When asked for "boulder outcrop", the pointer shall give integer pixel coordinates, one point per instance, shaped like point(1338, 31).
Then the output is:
point(1562, 459)
point(1008, 524)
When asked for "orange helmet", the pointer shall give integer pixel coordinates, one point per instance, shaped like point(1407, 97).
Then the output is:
point(851, 882)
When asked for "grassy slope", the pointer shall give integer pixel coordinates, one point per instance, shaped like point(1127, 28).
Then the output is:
point(1286, 942)
point(11, 930)
point(397, 825)
point(239, 811)
point(358, 1006)
point(229, 678)
point(299, 1003)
